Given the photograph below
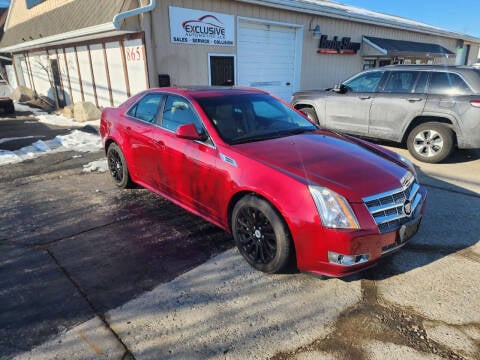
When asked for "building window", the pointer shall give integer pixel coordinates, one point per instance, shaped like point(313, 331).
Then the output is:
point(32, 3)
point(369, 64)
point(385, 62)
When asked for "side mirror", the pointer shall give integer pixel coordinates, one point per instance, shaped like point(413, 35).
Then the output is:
point(340, 88)
point(189, 131)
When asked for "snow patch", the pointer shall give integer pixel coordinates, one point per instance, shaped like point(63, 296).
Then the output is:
point(75, 141)
point(25, 108)
point(53, 119)
point(80, 141)
point(41, 146)
point(97, 165)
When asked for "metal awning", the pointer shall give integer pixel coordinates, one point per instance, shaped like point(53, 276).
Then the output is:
point(374, 46)
point(72, 22)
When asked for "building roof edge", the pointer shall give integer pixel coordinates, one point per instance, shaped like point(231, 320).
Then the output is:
point(346, 12)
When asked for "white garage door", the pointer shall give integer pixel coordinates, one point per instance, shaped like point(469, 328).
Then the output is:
point(268, 57)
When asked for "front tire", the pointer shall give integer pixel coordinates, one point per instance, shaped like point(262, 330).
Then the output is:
point(261, 235)
point(118, 167)
point(430, 142)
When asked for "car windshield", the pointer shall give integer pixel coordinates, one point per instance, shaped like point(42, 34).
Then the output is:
point(253, 117)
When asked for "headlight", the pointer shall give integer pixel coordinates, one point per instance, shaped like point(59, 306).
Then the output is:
point(333, 209)
point(409, 164)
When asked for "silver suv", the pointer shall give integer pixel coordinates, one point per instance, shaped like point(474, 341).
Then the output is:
point(430, 108)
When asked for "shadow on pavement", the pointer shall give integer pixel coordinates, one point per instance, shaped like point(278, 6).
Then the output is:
point(73, 246)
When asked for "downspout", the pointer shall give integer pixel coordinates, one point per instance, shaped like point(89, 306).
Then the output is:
point(133, 12)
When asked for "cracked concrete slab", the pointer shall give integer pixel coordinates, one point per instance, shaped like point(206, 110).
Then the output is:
point(377, 350)
point(441, 230)
point(424, 291)
point(225, 309)
point(91, 340)
point(455, 337)
point(459, 171)
point(316, 355)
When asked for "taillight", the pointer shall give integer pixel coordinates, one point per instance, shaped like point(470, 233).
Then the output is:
point(475, 103)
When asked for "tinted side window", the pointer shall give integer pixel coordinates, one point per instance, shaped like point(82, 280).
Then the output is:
point(367, 82)
point(400, 82)
point(444, 83)
point(421, 85)
point(178, 111)
point(146, 109)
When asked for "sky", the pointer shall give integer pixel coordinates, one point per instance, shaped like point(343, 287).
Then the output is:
point(459, 15)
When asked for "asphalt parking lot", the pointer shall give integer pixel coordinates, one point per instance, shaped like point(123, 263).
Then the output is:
point(92, 272)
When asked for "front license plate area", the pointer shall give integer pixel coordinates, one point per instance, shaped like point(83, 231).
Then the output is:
point(407, 230)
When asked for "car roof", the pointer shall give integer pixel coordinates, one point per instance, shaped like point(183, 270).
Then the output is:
point(471, 74)
point(428, 67)
point(208, 91)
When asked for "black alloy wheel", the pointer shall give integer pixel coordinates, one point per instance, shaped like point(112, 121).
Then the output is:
point(118, 167)
point(261, 235)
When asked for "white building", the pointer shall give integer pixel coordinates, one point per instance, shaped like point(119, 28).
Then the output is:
point(105, 51)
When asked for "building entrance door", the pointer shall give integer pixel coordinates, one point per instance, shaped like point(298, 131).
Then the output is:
point(57, 83)
point(222, 70)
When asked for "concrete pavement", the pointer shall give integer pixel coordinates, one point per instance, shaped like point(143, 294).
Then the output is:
point(421, 303)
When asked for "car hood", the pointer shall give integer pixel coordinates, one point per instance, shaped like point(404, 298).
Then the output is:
point(331, 160)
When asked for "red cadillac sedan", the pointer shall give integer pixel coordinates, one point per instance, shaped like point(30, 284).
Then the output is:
point(288, 191)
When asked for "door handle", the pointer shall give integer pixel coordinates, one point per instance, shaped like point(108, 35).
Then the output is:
point(288, 84)
point(414, 99)
point(364, 97)
point(159, 143)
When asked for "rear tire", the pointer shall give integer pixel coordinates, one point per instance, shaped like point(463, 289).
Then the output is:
point(311, 114)
point(261, 235)
point(431, 142)
point(118, 167)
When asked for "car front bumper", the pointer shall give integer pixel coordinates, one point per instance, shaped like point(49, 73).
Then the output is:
point(338, 253)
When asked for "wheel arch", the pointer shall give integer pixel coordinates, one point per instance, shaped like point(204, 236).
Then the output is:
point(306, 104)
point(419, 120)
point(109, 142)
point(243, 193)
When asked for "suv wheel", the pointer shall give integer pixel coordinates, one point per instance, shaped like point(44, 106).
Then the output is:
point(430, 142)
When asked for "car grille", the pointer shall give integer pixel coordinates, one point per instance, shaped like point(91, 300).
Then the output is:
point(392, 209)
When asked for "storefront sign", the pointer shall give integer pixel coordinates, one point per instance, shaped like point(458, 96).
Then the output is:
point(335, 46)
point(197, 27)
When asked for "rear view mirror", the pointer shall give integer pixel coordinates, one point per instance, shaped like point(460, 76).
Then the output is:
point(189, 131)
point(340, 88)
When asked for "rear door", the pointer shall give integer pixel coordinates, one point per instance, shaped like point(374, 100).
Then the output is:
point(140, 129)
point(446, 91)
point(400, 100)
point(349, 112)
